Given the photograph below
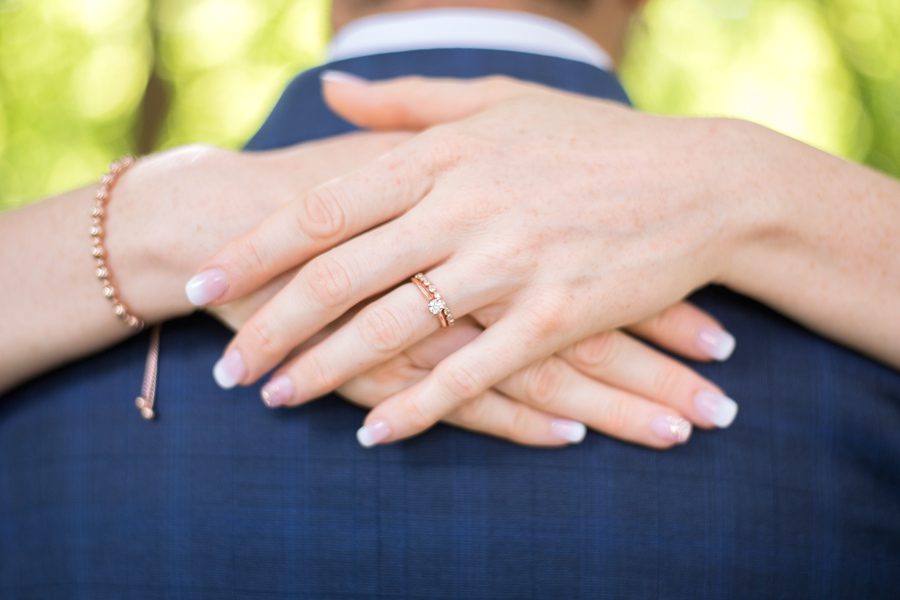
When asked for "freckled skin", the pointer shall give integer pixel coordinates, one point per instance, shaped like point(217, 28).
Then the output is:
point(552, 217)
point(555, 253)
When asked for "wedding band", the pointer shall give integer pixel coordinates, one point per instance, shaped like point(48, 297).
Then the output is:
point(436, 304)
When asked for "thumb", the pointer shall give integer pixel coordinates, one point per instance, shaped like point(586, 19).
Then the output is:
point(414, 102)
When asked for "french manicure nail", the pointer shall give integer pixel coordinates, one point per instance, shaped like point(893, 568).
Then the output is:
point(278, 391)
point(670, 428)
point(203, 288)
point(373, 433)
point(714, 407)
point(230, 370)
point(571, 431)
point(332, 76)
point(717, 343)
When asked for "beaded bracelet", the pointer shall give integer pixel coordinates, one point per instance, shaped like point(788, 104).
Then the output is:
point(145, 402)
point(103, 272)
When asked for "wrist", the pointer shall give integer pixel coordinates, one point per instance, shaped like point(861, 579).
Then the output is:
point(764, 213)
point(145, 234)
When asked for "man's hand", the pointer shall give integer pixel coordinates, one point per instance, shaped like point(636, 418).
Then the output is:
point(611, 383)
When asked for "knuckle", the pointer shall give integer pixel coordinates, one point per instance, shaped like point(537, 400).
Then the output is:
point(487, 316)
point(617, 417)
point(459, 218)
point(320, 377)
point(668, 382)
point(544, 381)
point(459, 380)
point(437, 135)
point(507, 254)
point(248, 256)
point(445, 145)
point(382, 330)
point(323, 215)
point(669, 320)
point(494, 254)
point(547, 316)
point(598, 351)
point(517, 426)
point(416, 411)
point(261, 338)
point(328, 281)
point(414, 86)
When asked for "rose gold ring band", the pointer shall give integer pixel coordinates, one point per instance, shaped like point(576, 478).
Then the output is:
point(436, 303)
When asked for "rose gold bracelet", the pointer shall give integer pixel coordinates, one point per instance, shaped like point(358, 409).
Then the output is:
point(103, 272)
point(145, 402)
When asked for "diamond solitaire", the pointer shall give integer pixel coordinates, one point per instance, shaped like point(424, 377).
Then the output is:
point(436, 306)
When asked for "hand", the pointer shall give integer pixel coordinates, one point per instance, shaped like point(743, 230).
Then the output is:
point(173, 209)
point(562, 239)
point(611, 383)
point(167, 213)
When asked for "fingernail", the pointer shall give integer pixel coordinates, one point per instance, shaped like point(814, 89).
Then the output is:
point(203, 288)
point(230, 370)
point(714, 407)
point(571, 431)
point(717, 343)
point(332, 76)
point(673, 429)
point(373, 433)
point(278, 391)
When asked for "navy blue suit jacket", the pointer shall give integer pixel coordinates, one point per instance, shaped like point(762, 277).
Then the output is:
point(222, 498)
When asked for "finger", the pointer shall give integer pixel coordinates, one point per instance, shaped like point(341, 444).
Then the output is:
point(688, 331)
point(490, 413)
point(553, 386)
point(427, 353)
point(323, 289)
point(499, 351)
point(377, 333)
point(234, 314)
point(324, 159)
point(304, 166)
point(621, 361)
point(415, 102)
point(318, 220)
point(495, 414)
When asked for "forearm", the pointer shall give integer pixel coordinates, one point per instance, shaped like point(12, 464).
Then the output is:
point(830, 258)
point(167, 214)
point(50, 297)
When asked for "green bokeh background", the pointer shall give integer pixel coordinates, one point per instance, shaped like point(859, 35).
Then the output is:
point(84, 81)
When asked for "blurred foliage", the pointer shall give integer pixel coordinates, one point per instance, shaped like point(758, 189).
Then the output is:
point(824, 71)
point(84, 81)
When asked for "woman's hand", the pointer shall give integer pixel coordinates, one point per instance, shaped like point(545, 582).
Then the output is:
point(174, 209)
point(815, 237)
point(166, 215)
point(611, 383)
point(545, 234)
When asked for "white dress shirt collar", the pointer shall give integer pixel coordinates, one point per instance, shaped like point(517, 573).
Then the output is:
point(465, 28)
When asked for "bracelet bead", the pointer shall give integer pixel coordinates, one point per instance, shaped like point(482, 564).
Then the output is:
point(98, 247)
